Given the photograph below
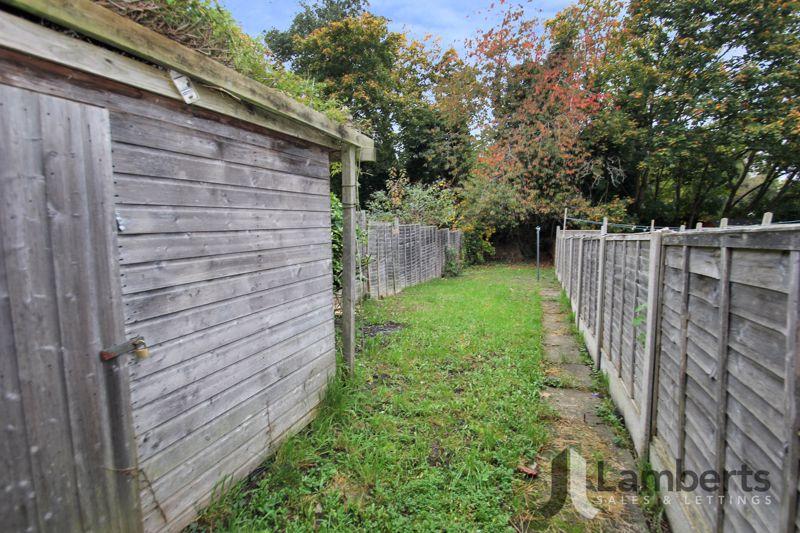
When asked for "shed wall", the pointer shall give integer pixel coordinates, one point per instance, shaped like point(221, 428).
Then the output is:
point(224, 251)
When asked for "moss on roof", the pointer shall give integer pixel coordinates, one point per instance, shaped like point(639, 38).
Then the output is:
point(207, 27)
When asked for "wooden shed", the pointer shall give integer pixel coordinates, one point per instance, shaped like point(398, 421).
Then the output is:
point(131, 220)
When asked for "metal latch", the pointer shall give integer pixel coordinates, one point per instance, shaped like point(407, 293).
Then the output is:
point(135, 345)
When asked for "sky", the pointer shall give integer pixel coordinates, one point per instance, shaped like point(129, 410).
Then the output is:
point(452, 20)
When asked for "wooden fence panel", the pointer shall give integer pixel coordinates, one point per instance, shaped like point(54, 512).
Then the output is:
point(402, 255)
point(698, 333)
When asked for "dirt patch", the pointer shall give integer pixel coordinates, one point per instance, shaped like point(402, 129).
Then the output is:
point(373, 330)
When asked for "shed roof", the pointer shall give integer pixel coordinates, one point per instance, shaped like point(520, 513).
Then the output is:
point(274, 109)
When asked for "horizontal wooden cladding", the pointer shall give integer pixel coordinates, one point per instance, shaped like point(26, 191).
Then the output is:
point(229, 428)
point(133, 220)
point(173, 299)
point(172, 326)
point(147, 119)
point(257, 385)
point(160, 191)
point(158, 248)
point(170, 273)
point(143, 161)
point(166, 407)
point(166, 136)
point(241, 449)
point(204, 341)
point(150, 387)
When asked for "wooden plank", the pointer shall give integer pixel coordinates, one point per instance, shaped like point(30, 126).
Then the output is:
point(106, 26)
point(158, 191)
point(160, 248)
point(67, 145)
point(164, 136)
point(650, 373)
point(783, 237)
point(161, 329)
point(34, 318)
point(681, 415)
point(175, 299)
point(310, 246)
point(155, 385)
point(18, 505)
point(162, 409)
point(176, 429)
point(120, 458)
point(156, 163)
point(634, 341)
point(349, 182)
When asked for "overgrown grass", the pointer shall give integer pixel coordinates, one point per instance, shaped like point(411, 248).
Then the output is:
point(429, 432)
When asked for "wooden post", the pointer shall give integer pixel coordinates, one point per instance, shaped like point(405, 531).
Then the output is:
point(723, 223)
point(699, 225)
point(632, 391)
point(565, 218)
point(579, 283)
point(721, 375)
point(652, 226)
point(601, 292)
point(557, 254)
point(683, 360)
point(766, 220)
point(621, 325)
point(651, 347)
point(349, 180)
point(682, 228)
point(791, 409)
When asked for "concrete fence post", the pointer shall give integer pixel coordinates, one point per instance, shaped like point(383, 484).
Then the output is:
point(652, 337)
point(601, 292)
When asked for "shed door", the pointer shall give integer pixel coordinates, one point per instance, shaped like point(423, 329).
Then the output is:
point(66, 456)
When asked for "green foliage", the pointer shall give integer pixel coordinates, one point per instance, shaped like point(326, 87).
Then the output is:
point(477, 248)
point(434, 205)
point(705, 111)
point(428, 433)
point(337, 244)
point(400, 90)
point(453, 265)
point(207, 27)
point(312, 17)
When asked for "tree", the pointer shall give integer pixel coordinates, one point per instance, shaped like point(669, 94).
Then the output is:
point(706, 116)
point(312, 17)
point(540, 101)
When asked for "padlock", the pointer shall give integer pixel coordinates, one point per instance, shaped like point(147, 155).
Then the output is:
point(140, 350)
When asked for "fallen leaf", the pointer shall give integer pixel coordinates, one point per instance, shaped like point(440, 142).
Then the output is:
point(532, 470)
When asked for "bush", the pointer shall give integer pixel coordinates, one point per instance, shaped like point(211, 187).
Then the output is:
point(477, 248)
point(433, 205)
point(453, 265)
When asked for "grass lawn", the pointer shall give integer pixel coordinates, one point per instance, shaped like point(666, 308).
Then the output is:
point(429, 434)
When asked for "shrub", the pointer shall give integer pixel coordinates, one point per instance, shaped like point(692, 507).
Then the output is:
point(453, 265)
